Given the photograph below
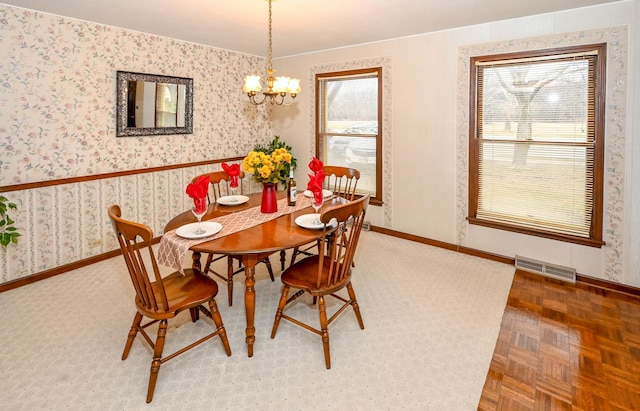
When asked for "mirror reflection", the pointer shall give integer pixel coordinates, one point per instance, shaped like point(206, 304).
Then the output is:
point(151, 104)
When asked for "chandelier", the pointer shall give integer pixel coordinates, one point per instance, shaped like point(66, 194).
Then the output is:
point(277, 88)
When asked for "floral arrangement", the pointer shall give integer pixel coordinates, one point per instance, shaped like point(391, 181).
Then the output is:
point(270, 164)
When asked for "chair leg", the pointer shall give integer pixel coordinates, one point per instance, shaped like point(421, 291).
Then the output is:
point(207, 266)
point(281, 304)
point(157, 359)
point(324, 330)
point(137, 319)
point(195, 314)
point(354, 304)
point(268, 264)
point(282, 259)
point(230, 280)
point(293, 256)
point(217, 319)
point(297, 251)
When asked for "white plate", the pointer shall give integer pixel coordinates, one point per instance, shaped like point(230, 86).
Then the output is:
point(306, 221)
point(188, 230)
point(232, 200)
point(327, 193)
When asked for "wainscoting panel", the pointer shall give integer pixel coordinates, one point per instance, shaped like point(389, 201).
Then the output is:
point(65, 223)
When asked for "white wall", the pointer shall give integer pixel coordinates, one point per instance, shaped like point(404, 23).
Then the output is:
point(425, 153)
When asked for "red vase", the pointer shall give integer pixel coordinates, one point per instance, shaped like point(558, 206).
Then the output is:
point(269, 202)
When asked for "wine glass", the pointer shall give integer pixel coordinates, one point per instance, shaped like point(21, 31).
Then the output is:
point(199, 209)
point(233, 186)
point(318, 199)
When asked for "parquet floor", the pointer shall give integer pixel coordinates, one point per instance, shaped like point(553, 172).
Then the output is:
point(565, 347)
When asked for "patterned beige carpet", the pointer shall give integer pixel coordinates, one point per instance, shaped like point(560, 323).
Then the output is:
point(431, 317)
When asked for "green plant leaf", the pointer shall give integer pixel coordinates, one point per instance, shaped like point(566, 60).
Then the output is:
point(8, 233)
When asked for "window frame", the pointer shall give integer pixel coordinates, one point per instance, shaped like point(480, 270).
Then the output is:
point(595, 238)
point(319, 129)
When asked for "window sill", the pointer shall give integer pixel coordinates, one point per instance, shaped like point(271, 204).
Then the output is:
point(590, 242)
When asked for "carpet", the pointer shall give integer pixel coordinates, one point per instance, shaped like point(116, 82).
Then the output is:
point(432, 317)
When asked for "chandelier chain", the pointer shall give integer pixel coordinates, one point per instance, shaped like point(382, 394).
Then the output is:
point(278, 88)
point(270, 40)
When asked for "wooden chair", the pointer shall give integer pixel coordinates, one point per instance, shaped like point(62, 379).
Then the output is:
point(219, 186)
point(328, 272)
point(342, 181)
point(160, 299)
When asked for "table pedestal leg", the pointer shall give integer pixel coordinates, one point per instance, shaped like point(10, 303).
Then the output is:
point(249, 262)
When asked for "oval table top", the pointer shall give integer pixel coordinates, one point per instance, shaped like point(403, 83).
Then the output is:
point(274, 235)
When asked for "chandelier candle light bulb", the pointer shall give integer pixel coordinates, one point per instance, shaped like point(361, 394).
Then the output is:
point(252, 85)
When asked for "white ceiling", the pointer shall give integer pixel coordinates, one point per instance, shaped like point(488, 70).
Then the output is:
point(299, 26)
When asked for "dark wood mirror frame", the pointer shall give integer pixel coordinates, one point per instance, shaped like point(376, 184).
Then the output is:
point(126, 105)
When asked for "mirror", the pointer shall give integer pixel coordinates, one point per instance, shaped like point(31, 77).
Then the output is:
point(150, 104)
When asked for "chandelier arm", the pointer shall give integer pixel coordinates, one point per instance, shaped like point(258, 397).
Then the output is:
point(281, 100)
point(254, 101)
point(278, 99)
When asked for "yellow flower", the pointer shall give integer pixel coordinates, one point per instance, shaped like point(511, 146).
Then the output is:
point(267, 168)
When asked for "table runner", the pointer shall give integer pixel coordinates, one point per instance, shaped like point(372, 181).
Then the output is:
point(173, 248)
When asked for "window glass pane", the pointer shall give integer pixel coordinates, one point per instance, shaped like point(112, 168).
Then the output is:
point(542, 101)
point(349, 126)
point(354, 152)
point(551, 192)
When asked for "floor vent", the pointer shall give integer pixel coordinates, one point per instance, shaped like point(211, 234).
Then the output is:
point(366, 226)
point(550, 270)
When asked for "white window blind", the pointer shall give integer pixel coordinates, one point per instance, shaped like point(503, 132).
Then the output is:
point(535, 142)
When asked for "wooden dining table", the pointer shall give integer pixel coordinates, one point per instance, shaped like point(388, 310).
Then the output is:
point(252, 244)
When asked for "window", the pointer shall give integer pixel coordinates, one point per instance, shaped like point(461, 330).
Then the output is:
point(348, 128)
point(537, 142)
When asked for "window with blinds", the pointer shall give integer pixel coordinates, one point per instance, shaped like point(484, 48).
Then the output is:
point(536, 142)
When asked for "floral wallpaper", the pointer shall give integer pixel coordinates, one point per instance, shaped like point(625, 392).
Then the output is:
point(615, 129)
point(58, 119)
point(57, 99)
